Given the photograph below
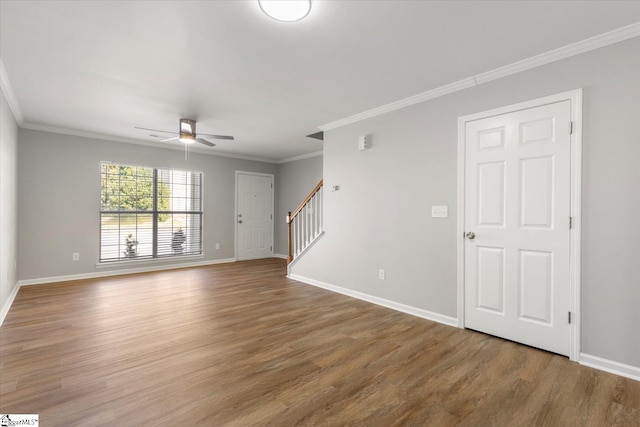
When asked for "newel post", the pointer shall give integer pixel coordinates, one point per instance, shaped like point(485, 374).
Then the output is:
point(290, 252)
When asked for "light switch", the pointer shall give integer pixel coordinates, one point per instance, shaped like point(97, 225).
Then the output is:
point(439, 211)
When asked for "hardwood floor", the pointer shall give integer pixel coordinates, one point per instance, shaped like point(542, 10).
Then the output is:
point(241, 345)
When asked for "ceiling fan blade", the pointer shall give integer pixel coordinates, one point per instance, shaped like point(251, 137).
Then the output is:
point(169, 139)
point(155, 130)
point(217, 136)
point(205, 142)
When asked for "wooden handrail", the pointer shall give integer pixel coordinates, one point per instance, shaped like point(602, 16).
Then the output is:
point(291, 217)
point(306, 200)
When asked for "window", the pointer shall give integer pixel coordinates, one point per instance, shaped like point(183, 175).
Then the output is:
point(149, 213)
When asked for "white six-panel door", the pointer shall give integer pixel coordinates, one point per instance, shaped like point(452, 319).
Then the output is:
point(516, 218)
point(254, 215)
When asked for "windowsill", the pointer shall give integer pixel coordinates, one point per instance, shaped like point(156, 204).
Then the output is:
point(150, 261)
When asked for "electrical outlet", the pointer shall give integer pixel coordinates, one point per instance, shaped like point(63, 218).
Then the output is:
point(217, 245)
point(381, 274)
point(75, 256)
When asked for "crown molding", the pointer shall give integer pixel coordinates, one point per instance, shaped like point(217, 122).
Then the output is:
point(87, 134)
point(242, 157)
point(583, 46)
point(406, 102)
point(300, 157)
point(5, 85)
point(105, 137)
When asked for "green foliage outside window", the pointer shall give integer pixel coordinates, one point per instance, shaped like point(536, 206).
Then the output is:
point(127, 188)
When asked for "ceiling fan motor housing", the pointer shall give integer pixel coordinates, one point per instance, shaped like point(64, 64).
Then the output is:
point(188, 126)
point(187, 131)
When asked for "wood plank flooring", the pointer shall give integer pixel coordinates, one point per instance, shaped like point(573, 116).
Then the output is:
point(241, 345)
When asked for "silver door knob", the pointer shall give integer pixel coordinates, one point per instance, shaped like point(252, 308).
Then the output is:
point(470, 235)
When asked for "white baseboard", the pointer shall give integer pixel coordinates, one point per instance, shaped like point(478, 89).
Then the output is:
point(418, 312)
point(610, 366)
point(119, 272)
point(9, 302)
point(282, 256)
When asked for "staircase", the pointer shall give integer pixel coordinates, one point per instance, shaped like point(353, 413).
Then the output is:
point(305, 224)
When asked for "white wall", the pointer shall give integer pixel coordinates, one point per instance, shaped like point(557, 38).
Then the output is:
point(59, 198)
point(380, 218)
point(8, 201)
point(293, 183)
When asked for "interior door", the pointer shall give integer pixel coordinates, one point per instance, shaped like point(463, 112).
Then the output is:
point(517, 220)
point(254, 212)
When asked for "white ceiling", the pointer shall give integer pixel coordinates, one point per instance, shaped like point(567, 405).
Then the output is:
point(107, 66)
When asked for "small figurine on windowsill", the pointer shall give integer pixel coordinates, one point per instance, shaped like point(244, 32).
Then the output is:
point(131, 250)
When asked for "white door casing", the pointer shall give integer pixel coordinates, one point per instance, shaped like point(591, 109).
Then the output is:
point(254, 215)
point(517, 277)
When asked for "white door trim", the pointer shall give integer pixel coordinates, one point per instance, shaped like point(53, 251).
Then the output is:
point(235, 209)
point(575, 96)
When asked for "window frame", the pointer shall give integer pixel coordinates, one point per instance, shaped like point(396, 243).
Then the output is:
point(154, 213)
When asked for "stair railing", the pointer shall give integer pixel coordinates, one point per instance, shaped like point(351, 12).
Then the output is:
point(305, 223)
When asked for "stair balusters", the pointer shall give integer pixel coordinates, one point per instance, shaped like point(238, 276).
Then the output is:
point(305, 223)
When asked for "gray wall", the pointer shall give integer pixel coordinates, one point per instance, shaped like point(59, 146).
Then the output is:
point(380, 218)
point(59, 198)
point(293, 183)
point(8, 200)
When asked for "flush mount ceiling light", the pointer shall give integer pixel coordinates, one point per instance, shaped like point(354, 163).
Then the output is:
point(286, 10)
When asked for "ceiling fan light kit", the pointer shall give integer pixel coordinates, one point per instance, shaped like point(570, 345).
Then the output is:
point(286, 10)
point(186, 138)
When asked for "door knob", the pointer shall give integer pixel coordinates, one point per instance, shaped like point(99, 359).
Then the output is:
point(239, 221)
point(470, 235)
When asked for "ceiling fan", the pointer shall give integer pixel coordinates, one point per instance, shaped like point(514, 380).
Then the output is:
point(187, 134)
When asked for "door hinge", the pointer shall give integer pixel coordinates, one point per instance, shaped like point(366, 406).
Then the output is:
point(570, 222)
point(569, 318)
point(570, 128)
